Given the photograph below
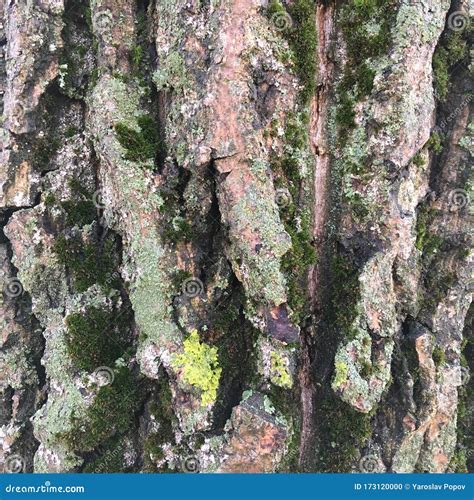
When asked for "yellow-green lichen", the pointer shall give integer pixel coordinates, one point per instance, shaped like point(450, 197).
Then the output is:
point(200, 367)
point(279, 372)
point(342, 372)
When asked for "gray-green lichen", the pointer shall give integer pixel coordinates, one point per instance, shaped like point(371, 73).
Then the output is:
point(148, 270)
point(260, 270)
point(132, 189)
point(361, 155)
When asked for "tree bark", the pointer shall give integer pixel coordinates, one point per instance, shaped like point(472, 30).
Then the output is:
point(236, 236)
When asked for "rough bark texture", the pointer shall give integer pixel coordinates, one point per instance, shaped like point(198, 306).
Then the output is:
point(236, 236)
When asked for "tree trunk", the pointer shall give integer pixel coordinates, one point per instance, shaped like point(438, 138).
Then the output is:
point(236, 236)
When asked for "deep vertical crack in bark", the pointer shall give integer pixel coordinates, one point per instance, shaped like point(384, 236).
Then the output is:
point(320, 147)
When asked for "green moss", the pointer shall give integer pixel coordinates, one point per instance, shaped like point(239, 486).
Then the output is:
point(71, 131)
point(112, 412)
point(50, 200)
point(437, 285)
point(88, 262)
point(285, 402)
point(161, 408)
point(427, 241)
point(228, 317)
point(434, 248)
point(296, 140)
point(358, 205)
point(441, 73)
point(178, 229)
point(458, 462)
point(80, 209)
point(289, 173)
point(178, 279)
point(139, 54)
point(345, 116)
point(77, 35)
point(364, 45)
point(434, 143)
point(177, 224)
point(345, 295)
point(293, 170)
point(136, 56)
point(235, 338)
point(153, 449)
point(345, 432)
point(92, 338)
point(141, 144)
point(295, 263)
point(200, 367)
point(451, 50)
point(79, 213)
point(275, 7)
point(439, 356)
point(418, 160)
point(77, 188)
point(303, 40)
point(111, 458)
point(94, 76)
point(366, 369)
point(43, 152)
